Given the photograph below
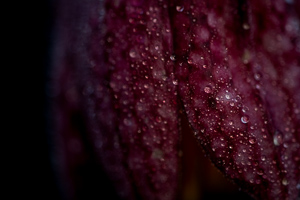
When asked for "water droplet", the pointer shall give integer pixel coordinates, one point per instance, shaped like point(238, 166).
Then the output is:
point(179, 8)
point(131, 21)
point(158, 119)
point(246, 26)
point(251, 140)
point(246, 56)
point(263, 158)
point(127, 122)
point(207, 89)
point(238, 98)
point(245, 119)
point(257, 76)
point(132, 53)
point(227, 96)
point(277, 139)
point(175, 82)
point(172, 57)
point(245, 109)
point(260, 172)
point(284, 182)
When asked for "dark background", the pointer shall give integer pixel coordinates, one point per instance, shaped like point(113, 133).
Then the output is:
point(33, 175)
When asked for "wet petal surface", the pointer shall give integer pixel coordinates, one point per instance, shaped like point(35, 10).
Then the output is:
point(123, 69)
point(234, 65)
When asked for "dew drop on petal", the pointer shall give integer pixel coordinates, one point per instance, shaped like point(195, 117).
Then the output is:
point(175, 82)
point(172, 57)
point(207, 89)
point(246, 26)
point(257, 76)
point(131, 21)
point(132, 54)
point(284, 182)
point(227, 96)
point(245, 119)
point(260, 172)
point(127, 122)
point(179, 8)
point(158, 119)
point(245, 109)
point(238, 98)
point(251, 140)
point(277, 138)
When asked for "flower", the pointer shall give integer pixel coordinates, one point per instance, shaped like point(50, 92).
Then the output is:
point(125, 71)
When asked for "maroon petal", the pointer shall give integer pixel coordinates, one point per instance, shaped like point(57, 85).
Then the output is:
point(118, 66)
point(238, 70)
point(123, 77)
